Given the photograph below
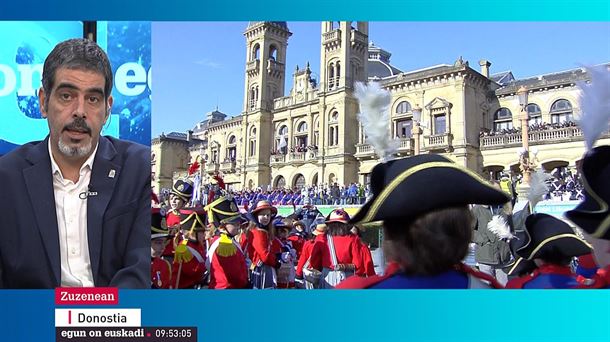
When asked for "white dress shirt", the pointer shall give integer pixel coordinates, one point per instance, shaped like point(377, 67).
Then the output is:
point(72, 224)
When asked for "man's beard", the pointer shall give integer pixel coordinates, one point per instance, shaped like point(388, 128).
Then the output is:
point(68, 151)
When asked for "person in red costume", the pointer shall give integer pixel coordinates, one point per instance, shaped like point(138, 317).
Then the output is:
point(423, 204)
point(307, 274)
point(160, 269)
point(298, 237)
point(266, 251)
point(367, 258)
point(225, 259)
point(189, 260)
point(286, 272)
point(340, 254)
point(181, 193)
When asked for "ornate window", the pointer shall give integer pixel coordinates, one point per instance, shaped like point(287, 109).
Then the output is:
point(252, 145)
point(503, 119)
point(404, 128)
point(561, 111)
point(333, 129)
point(534, 114)
point(440, 124)
point(403, 107)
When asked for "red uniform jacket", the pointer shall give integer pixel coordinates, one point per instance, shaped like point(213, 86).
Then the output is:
point(305, 254)
point(245, 242)
point(160, 273)
point(367, 258)
point(264, 250)
point(227, 272)
point(348, 251)
point(191, 272)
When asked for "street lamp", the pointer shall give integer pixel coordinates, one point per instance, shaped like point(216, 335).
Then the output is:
point(527, 166)
point(416, 129)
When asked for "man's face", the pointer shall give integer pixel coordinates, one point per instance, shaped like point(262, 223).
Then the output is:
point(76, 110)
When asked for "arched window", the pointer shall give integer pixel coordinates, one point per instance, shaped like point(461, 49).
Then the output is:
point(232, 140)
point(281, 140)
point(272, 52)
point(331, 76)
point(338, 73)
point(252, 145)
point(333, 129)
point(403, 107)
point(534, 114)
point(256, 50)
point(280, 182)
point(302, 128)
point(503, 119)
point(561, 111)
point(299, 181)
point(334, 117)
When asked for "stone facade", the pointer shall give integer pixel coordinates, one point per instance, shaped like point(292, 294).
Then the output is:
point(312, 135)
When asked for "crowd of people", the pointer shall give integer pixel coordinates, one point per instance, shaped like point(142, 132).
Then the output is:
point(536, 127)
point(221, 246)
point(427, 238)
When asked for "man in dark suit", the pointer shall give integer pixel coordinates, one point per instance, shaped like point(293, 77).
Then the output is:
point(74, 208)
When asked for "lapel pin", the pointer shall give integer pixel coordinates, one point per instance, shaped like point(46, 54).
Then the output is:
point(111, 173)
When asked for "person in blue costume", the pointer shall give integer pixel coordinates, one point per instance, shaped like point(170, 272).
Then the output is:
point(423, 203)
point(551, 244)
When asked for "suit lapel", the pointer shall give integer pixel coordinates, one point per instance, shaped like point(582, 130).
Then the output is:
point(104, 176)
point(39, 184)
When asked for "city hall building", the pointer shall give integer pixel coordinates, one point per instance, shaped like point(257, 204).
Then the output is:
point(311, 134)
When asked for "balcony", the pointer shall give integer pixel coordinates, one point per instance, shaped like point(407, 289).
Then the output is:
point(277, 159)
point(439, 142)
point(252, 66)
point(557, 135)
point(298, 157)
point(359, 40)
point(212, 167)
point(274, 67)
point(364, 151)
point(332, 38)
point(228, 166)
point(405, 147)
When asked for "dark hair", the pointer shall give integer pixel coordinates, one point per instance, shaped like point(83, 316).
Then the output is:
point(338, 228)
point(431, 243)
point(80, 54)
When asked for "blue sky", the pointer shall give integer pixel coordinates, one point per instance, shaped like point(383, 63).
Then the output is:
point(198, 66)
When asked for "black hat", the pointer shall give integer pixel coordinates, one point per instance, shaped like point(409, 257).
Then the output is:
point(192, 219)
point(156, 229)
point(545, 235)
point(406, 188)
point(592, 215)
point(183, 189)
point(223, 210)
point(520, 267)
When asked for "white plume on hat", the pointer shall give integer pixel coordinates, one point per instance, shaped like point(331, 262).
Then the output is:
point(375, 118)
point(595, 104)
point(500, 228)
point(538, 187)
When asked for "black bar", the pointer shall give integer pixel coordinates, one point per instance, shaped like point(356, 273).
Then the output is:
point(125, 334)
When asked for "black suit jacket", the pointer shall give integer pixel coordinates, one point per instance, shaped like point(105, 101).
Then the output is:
point(117, 218)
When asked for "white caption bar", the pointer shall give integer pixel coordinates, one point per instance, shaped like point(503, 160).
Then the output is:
point(97, 317)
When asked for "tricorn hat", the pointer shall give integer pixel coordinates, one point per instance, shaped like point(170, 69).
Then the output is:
point(183, 189)
point(406, 188)
point(545, 235)
point(156, 229)
point(592, 215)
point(192, 219)
point(223, 210)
